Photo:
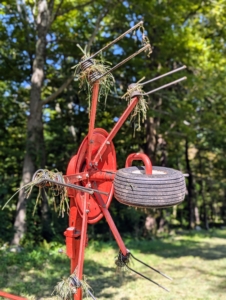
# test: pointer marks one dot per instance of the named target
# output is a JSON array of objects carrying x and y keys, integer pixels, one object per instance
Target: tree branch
[
  {"x": 57, "y": 11},
  {"x": 72, "y": 8},
  {"x": 100, "y": 17},
  {"x": 69, "y": 80},
  {"x": 59, "y": 91}
]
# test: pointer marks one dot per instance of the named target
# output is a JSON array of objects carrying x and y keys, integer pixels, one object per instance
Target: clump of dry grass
[
  {"x": 42, "y": 178},
  {"x": 140, "y": 110},
  {"x": 122, "y": 261},
  {"x": 97, "y": 68},
  {"x": 67, "y": 287}
]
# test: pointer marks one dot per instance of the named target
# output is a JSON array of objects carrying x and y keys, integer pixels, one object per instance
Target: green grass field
[{"x": 195, "y": 261}]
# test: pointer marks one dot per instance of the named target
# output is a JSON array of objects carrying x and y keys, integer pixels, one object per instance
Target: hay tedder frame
[{"x": 92, "y": 178}]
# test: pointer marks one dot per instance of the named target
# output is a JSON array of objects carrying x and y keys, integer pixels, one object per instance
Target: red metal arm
[
  {"x": 111, "y": 224},
  {"x": 115, "y": 129},
  {"x": 11, "y": 296},
  {"x": 92, "y": 119}
]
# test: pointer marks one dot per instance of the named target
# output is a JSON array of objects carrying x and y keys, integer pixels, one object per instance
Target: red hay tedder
[{"x": 92, "y": 179}]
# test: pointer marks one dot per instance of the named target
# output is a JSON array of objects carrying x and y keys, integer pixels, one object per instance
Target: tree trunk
[
  {"x": 202, "y": 193},
  {"x": 190, "y": 188},
  {"x": 35, "y": 150},
  {"x": 197, "y": 215},
  {"x": 151, "y": 143}
]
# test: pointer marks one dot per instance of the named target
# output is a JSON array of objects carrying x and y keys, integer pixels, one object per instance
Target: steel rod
[
  {"x": 91, "y": 295},
  {"x": 161, "y": 286},
  {"x": 150, "y": 267},
  {"x": 114, "y": 41},
  {"x": 164, "y": 86},
  {"x": 161, "y": 76},
  {"x": 73, "y": 186},
  {"x": 125, "y": 60}
]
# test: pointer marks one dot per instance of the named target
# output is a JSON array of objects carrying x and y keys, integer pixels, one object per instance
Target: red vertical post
[
  {"x": 83, "y": 237},
  {"x": 93, "y": 110},
  {"x": 82, "y": 243}
]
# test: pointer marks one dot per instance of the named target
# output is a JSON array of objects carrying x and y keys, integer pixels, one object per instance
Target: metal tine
[
  {"x": 164, "y": 86},
  {"x": 151, "y": 267},
  {"x": 125, "y": 60},
  {"x": 73, "y": 186},
  {"x": 161, "y": 286},
  {"x": 114, "y": 41},
  {"x": 161, "y": 76},
  {"x": 91, "y": 295}
]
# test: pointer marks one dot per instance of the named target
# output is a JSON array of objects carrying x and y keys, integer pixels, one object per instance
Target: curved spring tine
[
  {"x": 114, "y": 41},
  {"x": 164, "y": 86},
  {"x": 150, "y": 267},
  {"x": 161, "y": 76},
  {"x": 125, "y": 60},
  {"x": 161, "y": 286}
]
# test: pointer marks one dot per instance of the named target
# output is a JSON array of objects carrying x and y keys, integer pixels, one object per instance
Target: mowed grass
[{"x": 195, "y": 261}]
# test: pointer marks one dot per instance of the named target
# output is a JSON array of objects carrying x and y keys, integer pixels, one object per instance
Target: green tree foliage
[{"x": 185, "y": 124}]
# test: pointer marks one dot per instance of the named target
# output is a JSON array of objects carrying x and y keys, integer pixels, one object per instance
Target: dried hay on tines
[
  {"x": 41, "y": 180},
  {"x": 140, "y": 109},
  {"x": 122, "y": 261},
  {"x": 99, "y": 67},
  {"x": 67, "y": 288}
]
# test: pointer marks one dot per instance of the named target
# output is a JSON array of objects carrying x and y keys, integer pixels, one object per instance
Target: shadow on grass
[
  {"x": 35, "y": 272},
  {"x": 102, "y": 277},
  {"x": 176, "y": 247},
  {"x": 31, "y": 272},
  {"x": 35, "y": 276}
]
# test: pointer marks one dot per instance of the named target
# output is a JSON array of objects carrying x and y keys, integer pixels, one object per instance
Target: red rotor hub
[{"x": 86, "y": 176}]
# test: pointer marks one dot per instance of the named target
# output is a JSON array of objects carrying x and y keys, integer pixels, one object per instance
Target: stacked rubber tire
[{"x": 164, "y": 188}]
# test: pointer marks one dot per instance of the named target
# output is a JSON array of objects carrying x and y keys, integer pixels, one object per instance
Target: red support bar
[
  {"x": 115, "y": 129},
  {"x": 91, "y": 175},
  {"x": 11, "y": 296},
  {"x": 102, "y": 176},
  {"x": 83, "y": 238},
  {"x": 92, "y": 120},
  {"x": 80, "y": 251}
]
